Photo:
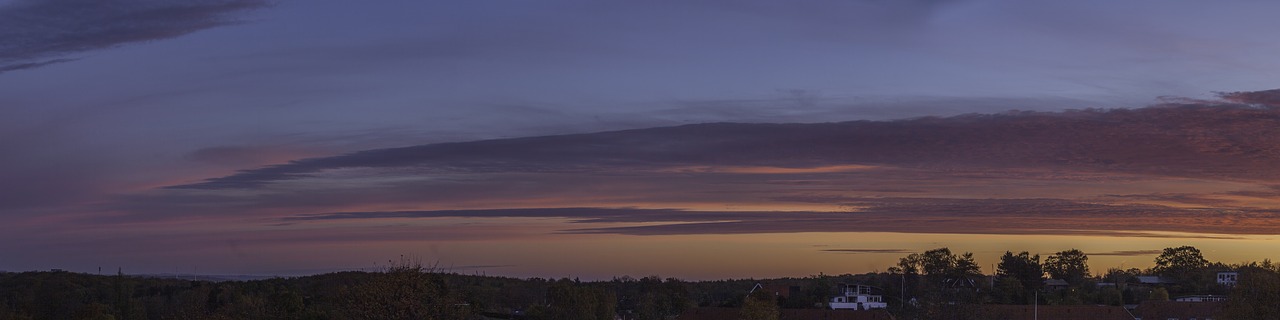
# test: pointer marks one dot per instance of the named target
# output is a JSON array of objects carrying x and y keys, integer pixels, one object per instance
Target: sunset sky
[{"x": 692, "y": 139}]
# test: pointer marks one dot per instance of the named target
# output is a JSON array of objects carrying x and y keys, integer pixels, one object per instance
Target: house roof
[
  {"x": 1180, "y": 310},
  {"x": 704, "y": 313},
  {"x": 779, "y": 288},
  {"x": 1019, "y": 312},
  {"x": 1154, "y": 280}
]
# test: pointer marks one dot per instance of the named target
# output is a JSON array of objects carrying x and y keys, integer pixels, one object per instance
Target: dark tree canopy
[
  {"x": 1021, "y": 274},
  {"x": 1179, "y": 263},
  {"x": 1071, "y": 266},
  {"x": 1024, "y": 267},
  {"x": 939, "y": 264},
  {"x": 567, "y": 300}
]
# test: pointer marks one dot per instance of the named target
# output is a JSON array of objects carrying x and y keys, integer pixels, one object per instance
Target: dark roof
[
  {"x": 788, "y": 314},
  {"x": 1180, "y": 310},
  {"x": 1055, "y": 283},
  {"x": 1155, "y": 280},
  {"x": 1018, "y": 312}
]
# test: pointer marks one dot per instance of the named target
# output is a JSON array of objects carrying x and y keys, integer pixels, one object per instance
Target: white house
[
  {"x": 858, "y": 297},
  {"x": 1228, "y": 278}
]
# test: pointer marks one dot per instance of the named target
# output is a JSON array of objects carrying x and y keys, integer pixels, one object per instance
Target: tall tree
[
  {"x": 1025, "y": 270},
  {"x": 938, "y": 265},
  {"x": 1183, "y": 264},
  {"x": 939, "y": 268},
  {"x": 1071, "y": 266}
]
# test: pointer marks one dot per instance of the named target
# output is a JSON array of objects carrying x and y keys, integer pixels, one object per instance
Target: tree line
[
  {"x": 938, "y": 283},
  {"x": 934, "y": 284}
]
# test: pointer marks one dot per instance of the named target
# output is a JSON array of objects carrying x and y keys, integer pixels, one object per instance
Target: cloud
[
  {"x": 1175, "y": 170},
  {"x": 1196, "y": 141},
  {"x": 1269, "y": 98},
  {"x": 31, "y": 65},
  {"x": 905, "y": 215},
  {"x": 247, "y": 155},
  {"x": 859, "y": 251},
  {"x": 36, "y": 33},
  {"x": 1191, "y": 199},
  {"x": 1127, "y": 253}
]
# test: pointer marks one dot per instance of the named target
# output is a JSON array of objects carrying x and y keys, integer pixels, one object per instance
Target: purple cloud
[
  {"x": 907, "y": 215},
  {"x": 1188, "y": 140},
  {"x": 35, "y": 33}
]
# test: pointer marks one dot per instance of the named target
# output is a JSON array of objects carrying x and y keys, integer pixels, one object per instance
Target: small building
[
  {"x": 1154, "y": 280},
  {"x": 1055, "y": 284},
  {"x": 857, "y": 297},
  {"x": 777, "y": 289},
  {"x": 1228, "y": 278},
  {"x": 965, "y": 283},
  {"x": 1201, "y": 298}
]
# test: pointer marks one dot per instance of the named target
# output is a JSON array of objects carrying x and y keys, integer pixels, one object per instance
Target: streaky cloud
[
  {"x": 860, "y": 251},
  {"x": 903, "y": 215},
  {"x": 31, "y": 65},
  {"x": 37, "y": 33},
  {"x": 1127, "y": 253},
  {"x": 1214, "y": 141}
]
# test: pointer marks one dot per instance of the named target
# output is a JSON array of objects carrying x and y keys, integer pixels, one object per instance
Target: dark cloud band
[
  {"x": 36, "y": 33},
  {"x": 907, "y": 215},
  {"x": 1224, "y": 141}
]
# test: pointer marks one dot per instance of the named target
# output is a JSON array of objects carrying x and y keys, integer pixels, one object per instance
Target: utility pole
[{"x": 1037, "y": 307}]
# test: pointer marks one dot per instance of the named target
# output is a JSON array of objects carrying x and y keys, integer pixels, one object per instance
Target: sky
[{"x": 695, "y": 139}]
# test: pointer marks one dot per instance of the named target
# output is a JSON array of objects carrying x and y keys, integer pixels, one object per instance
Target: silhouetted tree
[
  {"x": 1026, "y": 273},
  {"x": 939, "y": 265},
  {"x": 1185, "y": 265},
  {"x": 942, "y": 271},
  {"x": 1071, "y": 266}
]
